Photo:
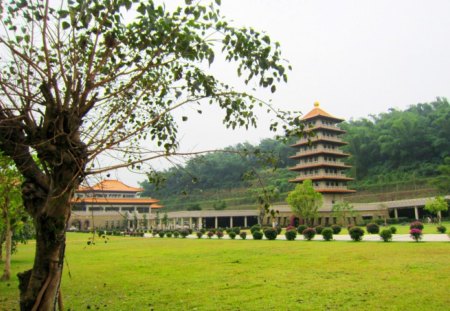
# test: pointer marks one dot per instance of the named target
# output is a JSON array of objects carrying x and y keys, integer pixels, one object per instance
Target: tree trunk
[
  {"x": 8, "y": 241},
  {"x": 39, "y": 287}
]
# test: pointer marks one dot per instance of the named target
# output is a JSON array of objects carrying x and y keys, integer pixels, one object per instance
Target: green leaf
[{"x": 65, "y": 25}]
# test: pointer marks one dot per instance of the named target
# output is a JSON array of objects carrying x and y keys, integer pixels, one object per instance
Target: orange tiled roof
[
  {"x": 316, "y": 112},
  {"x": 110, "y": 185},
  {"x": 118, "y": 201},
  {"x": 156, "y": 206}
]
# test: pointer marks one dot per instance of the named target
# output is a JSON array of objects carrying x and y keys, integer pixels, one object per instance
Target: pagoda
[{"x": 320, "y": 157}]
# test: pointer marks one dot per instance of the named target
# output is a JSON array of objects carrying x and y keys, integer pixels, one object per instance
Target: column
[
  {"x": 174, "y": 222},
  {"x": 190, "y": 222},
  {"x": 231, "y": 221},
  {"x": 216, "y": 222},
  {"x": 416, "y": 212},
  {"x": 245, "y": 221},
  {"x": 395, "y": 213},
  {"x": 200, "y": 223}
]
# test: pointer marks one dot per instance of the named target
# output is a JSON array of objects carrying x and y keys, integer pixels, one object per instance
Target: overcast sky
[{"x": 356, "y": 57}]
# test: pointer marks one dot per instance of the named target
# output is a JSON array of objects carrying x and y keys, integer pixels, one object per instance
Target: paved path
[{"x": 346, "y": 237}]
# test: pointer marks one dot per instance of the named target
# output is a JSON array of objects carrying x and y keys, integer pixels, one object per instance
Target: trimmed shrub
[
  {"x": 373, "y": 228},
  {"x": 219, "y": 234},
  {"x": 327, "y": 234},
  {"x": 161, "y": 233},
  {"x": 169, "y": 234},
  {"x": 319, "y": 229},
  {"x": 441, "y": 229},
  {"x": 336, "y": 229},
  {"x": 232, "y": 235},
  {"x": 203, "y": 230},
  {"x": 176, "y": 234},
  {"x": 270, "y": 233},
  {"x": 199, "y": 234},
  {"x": 257, "y": 235},
  {"x": 154, "y": 232},
  {"x": 290, "y": 234},
  {"x": 237, "y": 230},
  {"x": 309, "y": 233},
  {"x": 288, "y": 228},
  {"x": 393, "y": 229},
  {"x": 386, "y": 235},
  {"x": 356, "y": 233},
  {"x": 255, "y": 228},
  {"x": 243, "y": 235},
  {"x": 278, "y": 228},
  {"x": 416, "y": 234},
  {"x": 228, "y": 230},
  {"x": 301, "y": 228},
  {"x": 184, "y": 233},
  {"x": 416, "y": 225},
  {"x": 210, "y": 234},
  {"x": 190, "y": 230}
]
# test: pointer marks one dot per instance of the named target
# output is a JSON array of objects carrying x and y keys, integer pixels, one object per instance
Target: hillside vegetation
[{"x": 394, "y": 154}]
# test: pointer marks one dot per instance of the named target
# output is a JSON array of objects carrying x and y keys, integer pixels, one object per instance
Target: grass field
[{"x": 190, "y": 274}]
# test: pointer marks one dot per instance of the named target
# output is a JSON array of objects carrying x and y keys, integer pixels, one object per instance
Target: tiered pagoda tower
[{"x": 320, "y": 157}]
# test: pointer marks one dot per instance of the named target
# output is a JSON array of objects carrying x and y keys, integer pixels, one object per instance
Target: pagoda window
[
  {"x": 111, "y": 209},
  {"x": 127, "y": 209}
]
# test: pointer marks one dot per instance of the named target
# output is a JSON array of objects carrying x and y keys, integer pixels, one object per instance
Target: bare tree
[{"x": 80, "y": 81}]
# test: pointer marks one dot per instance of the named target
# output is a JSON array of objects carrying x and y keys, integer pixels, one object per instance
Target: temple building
[
  {"x": 111, "y": 204},
  {"x": 320, "y": 158}
]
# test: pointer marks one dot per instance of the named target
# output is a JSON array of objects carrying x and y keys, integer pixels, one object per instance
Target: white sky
[{"x": 356, "y": 57}]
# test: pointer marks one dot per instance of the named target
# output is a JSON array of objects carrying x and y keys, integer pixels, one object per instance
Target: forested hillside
[{"x": 392, "y": 148}]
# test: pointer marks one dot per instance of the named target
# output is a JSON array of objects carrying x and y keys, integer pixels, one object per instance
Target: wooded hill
[{"x": 391, "y": 152}]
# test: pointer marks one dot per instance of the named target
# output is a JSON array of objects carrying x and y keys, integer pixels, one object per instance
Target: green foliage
[
  {"x": 176, "y": 234},
  {"x": 257, "y": 235},
  {"x": 341, "y": 210},
  {"x": 309, "y": 233},
  {"x": 386, "y": 235},
  {"x": 441, "y": 229},
  {"x": 385, "y": 146},
  {"x": 393, "y": 229},
  {"x": 232, "y": 235},
  {"x": 169, "y": 234},
  {"x": 436, "y": 205},
  {"x": 319, "y": 229},
  {"x": 269, "y": 233},
  {"x": 290, "y": 234},
  {"x": 336, "y": 229},
  {"x": 255, "y": 228},
  {"x": 220, "y": 205},
  {"x": 327, "y": 234},
  {"x": 373, "y": 228},
  {"x": 184, "y": 233},
  {"x": 199, "y": 234},
  {"x": 442, "y": 181},
  {"x": 243, "y": 235},
  {"x": 356, "y": 233},
  {"x": 161, "y": 233},
  {"x": 301, "y": 228},
  {"x": 305, "y": 201},
  {"x": 194, "y": 207},
  {"x": 236, "y": 230}
]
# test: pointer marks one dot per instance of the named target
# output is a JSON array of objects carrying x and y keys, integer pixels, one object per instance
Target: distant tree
[
  {"x": 265, "y": 197},
  {"x": 194, "y": 207},
  {"x": 305, "y": 201},
  {"x": 342, "y": 210},
  {"x": 437, "y": 205},
  {"x": 12, "y": 212},
  {"x": 165, "y": 220},
  {"x": 442, "y": 182},
  {"x": 220, "y": 205}
]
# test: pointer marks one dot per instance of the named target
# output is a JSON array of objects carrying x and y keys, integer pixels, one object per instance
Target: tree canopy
[{"x": 305, "y": 201}]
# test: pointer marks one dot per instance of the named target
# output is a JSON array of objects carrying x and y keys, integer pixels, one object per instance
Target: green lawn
[{"x": 190, "y": 274}]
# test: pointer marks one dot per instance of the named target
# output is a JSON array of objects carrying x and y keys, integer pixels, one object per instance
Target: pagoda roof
[
  {"x": 336, "y": 190},
  {"x": 319, "y": 164},
  {"x": 110, "y": 185},
  {"x": 96, "y": 200},
  {"x": 310, "y": 153},
  {"x": 318, "y": 112},
  {"x": 319, "y": 139},
  {"x": 321, "y": 177}
]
